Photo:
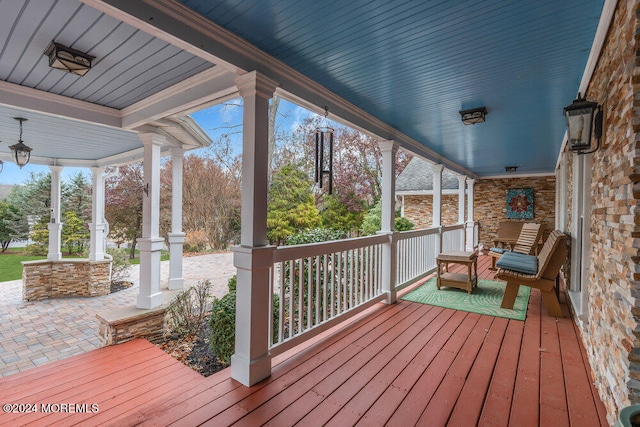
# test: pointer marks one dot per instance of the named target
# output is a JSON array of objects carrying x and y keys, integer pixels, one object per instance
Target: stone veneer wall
[
  {"x": 490, "y": 203},
  {"x": 610, "y": 325},
  {"x": 119, "y": 327},
  {"x": 419, "y": 210},
  {"x": 65, "y": 278}
]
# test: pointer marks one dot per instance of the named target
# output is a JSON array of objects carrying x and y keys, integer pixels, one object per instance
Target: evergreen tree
[
  {"x": 13, "y": 224},
  {"x": 373, "y": 221},
  {"x": 291, "y": 207},
  {"x": 338, "y": 216},
  {"x": 74, "y": 232},
  {"x": 77, "y": 197}
]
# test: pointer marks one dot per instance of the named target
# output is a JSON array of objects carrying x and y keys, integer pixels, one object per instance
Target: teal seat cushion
[
  {"x": 515, "y": 261},
  {"x": 498, "y": 250}
]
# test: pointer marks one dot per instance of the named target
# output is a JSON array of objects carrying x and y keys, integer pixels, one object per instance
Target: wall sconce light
[
  {"x": 324, "y": 153},
  {"x": 67, "y": 59},
  {"x": 473, "y": 116},
  {"x": 510, "y": 169},
  {"x": 20, "y": 153},
  {"x": 581, "y": 123}
]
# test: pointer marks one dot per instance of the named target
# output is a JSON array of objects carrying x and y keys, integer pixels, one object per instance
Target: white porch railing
[
  {"x": 318, "y": 285},
  {"x": 313, "y": 287},
  {"x": 453, "y": 238},
  {"x": 416, "y": 255}
]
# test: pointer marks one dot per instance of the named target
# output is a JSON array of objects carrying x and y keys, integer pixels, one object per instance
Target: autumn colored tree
[
  {"x": 291, "y": 205},
  {"x": 357, "y": 172},
  {"x": 123, "y": 204},
  {"x": 211, "y": 199}
]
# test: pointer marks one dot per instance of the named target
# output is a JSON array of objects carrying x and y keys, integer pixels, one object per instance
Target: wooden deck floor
[{"x": 403, "y": 364}]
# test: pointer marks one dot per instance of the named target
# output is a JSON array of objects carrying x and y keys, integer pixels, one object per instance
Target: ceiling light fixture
[
  {"x": 20, "y": 153},
  {"x": 473, "y": 116},
  {"x": 67, "y": 59}
]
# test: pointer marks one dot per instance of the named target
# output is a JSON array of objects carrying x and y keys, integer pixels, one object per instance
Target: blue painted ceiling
[{"x": 414, "y": 64}]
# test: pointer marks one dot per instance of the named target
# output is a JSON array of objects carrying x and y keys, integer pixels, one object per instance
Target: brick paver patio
[{"x": 35, "y": 333}]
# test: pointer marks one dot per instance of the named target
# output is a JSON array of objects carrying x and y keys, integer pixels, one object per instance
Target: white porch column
[
  {"x": 150, "y": 243},
  {"x": 470, "y": 238},
  {"x": 97, "y": 226},
  {"x": 176, "y": 237},
  {"x": 251, "y": 361},
  {"x": 55, "y": 224},
  {"x": 437, "y": 204},
  {"x": 461, "y": 192},
  {"x": 389, "y": 151}
]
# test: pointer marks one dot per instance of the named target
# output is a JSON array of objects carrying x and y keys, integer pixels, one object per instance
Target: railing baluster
[
  {"x": 282, "y": 303},
  {"x": 317, "y": 293},
  {"x": 309, "y": 292}
]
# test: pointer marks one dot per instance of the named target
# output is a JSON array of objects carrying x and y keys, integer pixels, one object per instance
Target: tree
[
  {"x": 338, "y": 216},
  {"x": 357, "y": 164},
  {"x": 77, "y": 197},
  {"x": 211, "y": 199},
  {"x": 74, "y": 232},
  {"x": 373, "y": 221},
  {"x": 123, "y": 204},
  {"x": 291, "y": 206},
  {"x": 33, "y": 198},
  {"x": 13, "y": 225}
]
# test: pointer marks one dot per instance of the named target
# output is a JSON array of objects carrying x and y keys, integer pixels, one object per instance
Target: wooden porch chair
[
  {"x": 527, "y": 242},
  {"x": 551, "y": 258}
]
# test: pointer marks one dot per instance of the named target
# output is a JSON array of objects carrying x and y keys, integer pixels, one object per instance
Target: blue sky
[{"x": 215, "y": 121}]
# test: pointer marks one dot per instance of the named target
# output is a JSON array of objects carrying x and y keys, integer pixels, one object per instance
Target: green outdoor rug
[{"x": 485, "y": 299}]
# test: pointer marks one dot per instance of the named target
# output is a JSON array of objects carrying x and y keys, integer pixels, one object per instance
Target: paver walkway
[{"x": 35, "y": 333}]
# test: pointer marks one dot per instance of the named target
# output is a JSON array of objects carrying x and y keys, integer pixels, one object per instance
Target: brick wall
[
  {"x": 56, "y": 279},
  {"x": 490, "y": 203},
  {"x": 610, "y": 324},
  {"x": 419, "y": 210}
]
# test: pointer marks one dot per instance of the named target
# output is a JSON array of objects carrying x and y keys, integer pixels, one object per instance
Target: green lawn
[{"x": 11, "y": 267}]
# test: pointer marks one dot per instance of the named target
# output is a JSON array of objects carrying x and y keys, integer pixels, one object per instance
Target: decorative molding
[
  {"x": 16, "y": 96},
  {"x": 178, "y": 100}
]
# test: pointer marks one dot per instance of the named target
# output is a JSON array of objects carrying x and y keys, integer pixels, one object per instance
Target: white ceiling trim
[
  {"x": 179, "y": 25},
  {"x": 26, "y": 98},
  {"x": 206, "y": 88}
]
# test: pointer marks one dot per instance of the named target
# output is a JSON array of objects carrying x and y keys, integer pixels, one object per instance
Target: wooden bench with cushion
[
  {"x": 527, "y": 242},
  {"x": 508, "y": 232},
  {"x": 551, "y": 258}
]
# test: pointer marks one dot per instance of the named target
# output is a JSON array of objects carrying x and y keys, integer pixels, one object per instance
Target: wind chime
[{"x": 324, "y": 153}]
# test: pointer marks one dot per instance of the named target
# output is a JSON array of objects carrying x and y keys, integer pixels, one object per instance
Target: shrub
[
  {"x": 223, "y": 323},
  {"x": 195, "y": 241},
  {"x": 120, "y": 264},
  {"x": 36, "y": 249},
  {"x": 403, "y": 224},
  {"x": 188, "y": 310},
  {"x": 315, "y": 235},
  {"x": 223, "y": 326}
]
